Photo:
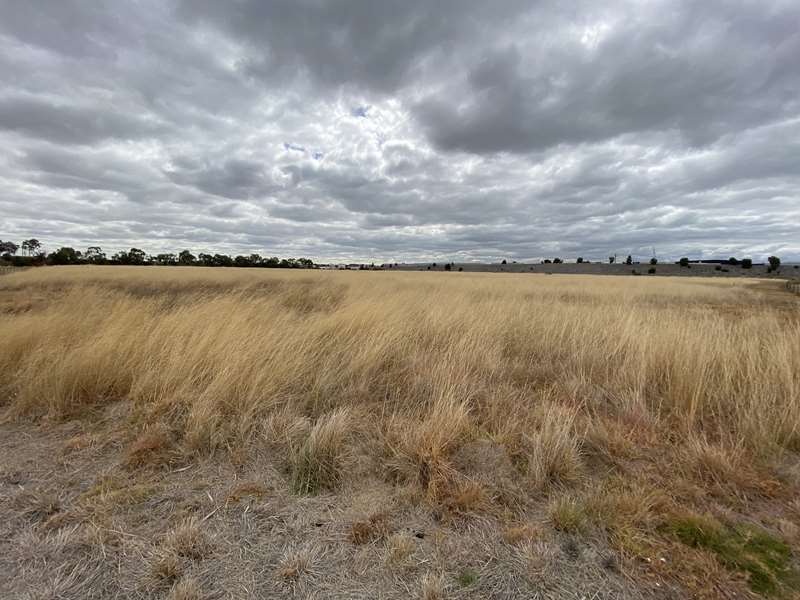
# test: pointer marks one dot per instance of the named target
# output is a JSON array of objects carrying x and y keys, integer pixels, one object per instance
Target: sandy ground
[{"x": 79, "y": 523}]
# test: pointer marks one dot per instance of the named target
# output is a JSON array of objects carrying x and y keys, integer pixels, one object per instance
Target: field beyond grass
[{"x": 235, "y": 433}]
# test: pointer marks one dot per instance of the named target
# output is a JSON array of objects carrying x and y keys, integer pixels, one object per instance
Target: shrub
[
  {"x": 651, "y": 270},
  {"x": 684, "y": 262},
  {"x": 557, "y": 261},
  {"x": 733, "y": 261},
  {"x": 747, "y": 263},
  {"x": 447, "y": 267},
  {"x": 629, "y": 260},
  {"x": 718, "y": 268},
  {"x": 654, "y": 261}
]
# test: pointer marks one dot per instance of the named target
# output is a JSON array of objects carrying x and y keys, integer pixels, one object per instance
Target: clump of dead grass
[
  {"x": 554, "y": 449},
  {"x": 420, "y": 449},
  {"x": 187, "y": 588},
  {"x": 318, "y": 462},
  {"x": 399, "y": 547},
  {"x": 189, "y": 540},
  {"x": 433, "y": 586},
  {"x": 297, "y": 561}
]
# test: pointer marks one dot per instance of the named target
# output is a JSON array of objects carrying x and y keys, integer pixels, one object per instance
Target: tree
[
  {"x": 186, "y": 258},
  {"x": 167, "y": 259},
  {"x": 504, "y": 262},
  {"x": 31, "y": 247},
  {"x": 733, "y": 261},
  {"x": 774, "y": 262},
  {"x": 629, "y": 260},
  {"x": 447, "y": 266},
  {"x": 8, "y": 248},
  {"x": 611, "y": 259},
  {"x": 134, "y": 256},
  {"x": 580, "y": 260},
  {"x": 222, "y": 260},
  {"x": 747, "y": 263},
  {"x": 95, "y": 255},
  {"x": 64, "y": 256},
  {"x": 557, "y": 261},
  {"x": 684, "y": 262},
  {"x": 654, "y": 261}
]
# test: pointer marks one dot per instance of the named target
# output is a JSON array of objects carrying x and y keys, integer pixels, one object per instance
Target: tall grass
[{"x": 423, "y": 361}]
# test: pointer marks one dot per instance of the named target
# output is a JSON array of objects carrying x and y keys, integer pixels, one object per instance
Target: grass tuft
[
  {"x": 189, "y": 540},
  {"x": 568, "y": 514},
  {"x": 317, "y": 463}
]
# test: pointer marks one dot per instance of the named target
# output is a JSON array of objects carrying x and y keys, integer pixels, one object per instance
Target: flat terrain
[
  {"x": 193, "y": 433},
  {"x": 669, "y": 269}
]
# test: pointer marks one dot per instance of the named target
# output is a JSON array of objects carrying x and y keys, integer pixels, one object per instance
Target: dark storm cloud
[
  {"x": 378, "y": 45},
  {"x": 703, "y": 72},
  {"x": 354, "y": 129}
]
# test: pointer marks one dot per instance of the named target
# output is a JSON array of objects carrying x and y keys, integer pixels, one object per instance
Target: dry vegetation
[{"x": 193, "y": 433}]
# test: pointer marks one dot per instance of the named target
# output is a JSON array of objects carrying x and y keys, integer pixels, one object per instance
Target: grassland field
[{"x": 193, "y": 433}]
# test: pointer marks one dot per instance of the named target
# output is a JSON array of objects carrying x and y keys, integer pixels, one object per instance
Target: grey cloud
[
  {"x": 360, "y": 130},
  {"x": 702, "y": 70},
  {"x": 379, "y": 45},
  {"x": 230, "y": 178},
  {"x": 67, "y": 124}
]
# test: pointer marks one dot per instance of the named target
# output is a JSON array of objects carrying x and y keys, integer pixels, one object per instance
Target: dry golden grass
[
  {"x": 217, "y": 353},
  {"x": 590, "y": 406}
]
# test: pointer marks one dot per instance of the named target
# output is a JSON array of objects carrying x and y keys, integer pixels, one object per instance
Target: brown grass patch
[
  {"x": 522, "y": 533},
  {"x": 247, "y": 489},
  {"x": 153, "y": 448},
  {"x": 374, "y": 528}
]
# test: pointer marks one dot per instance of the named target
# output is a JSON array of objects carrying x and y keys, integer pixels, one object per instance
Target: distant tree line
[{"x": 31, "y": 254}]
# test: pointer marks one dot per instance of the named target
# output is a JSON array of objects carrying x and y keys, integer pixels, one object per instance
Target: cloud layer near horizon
[{"x": 361, "y": 130}]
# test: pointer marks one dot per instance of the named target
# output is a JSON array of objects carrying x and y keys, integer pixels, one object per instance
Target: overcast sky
[{"x": 403, "y": 130}]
